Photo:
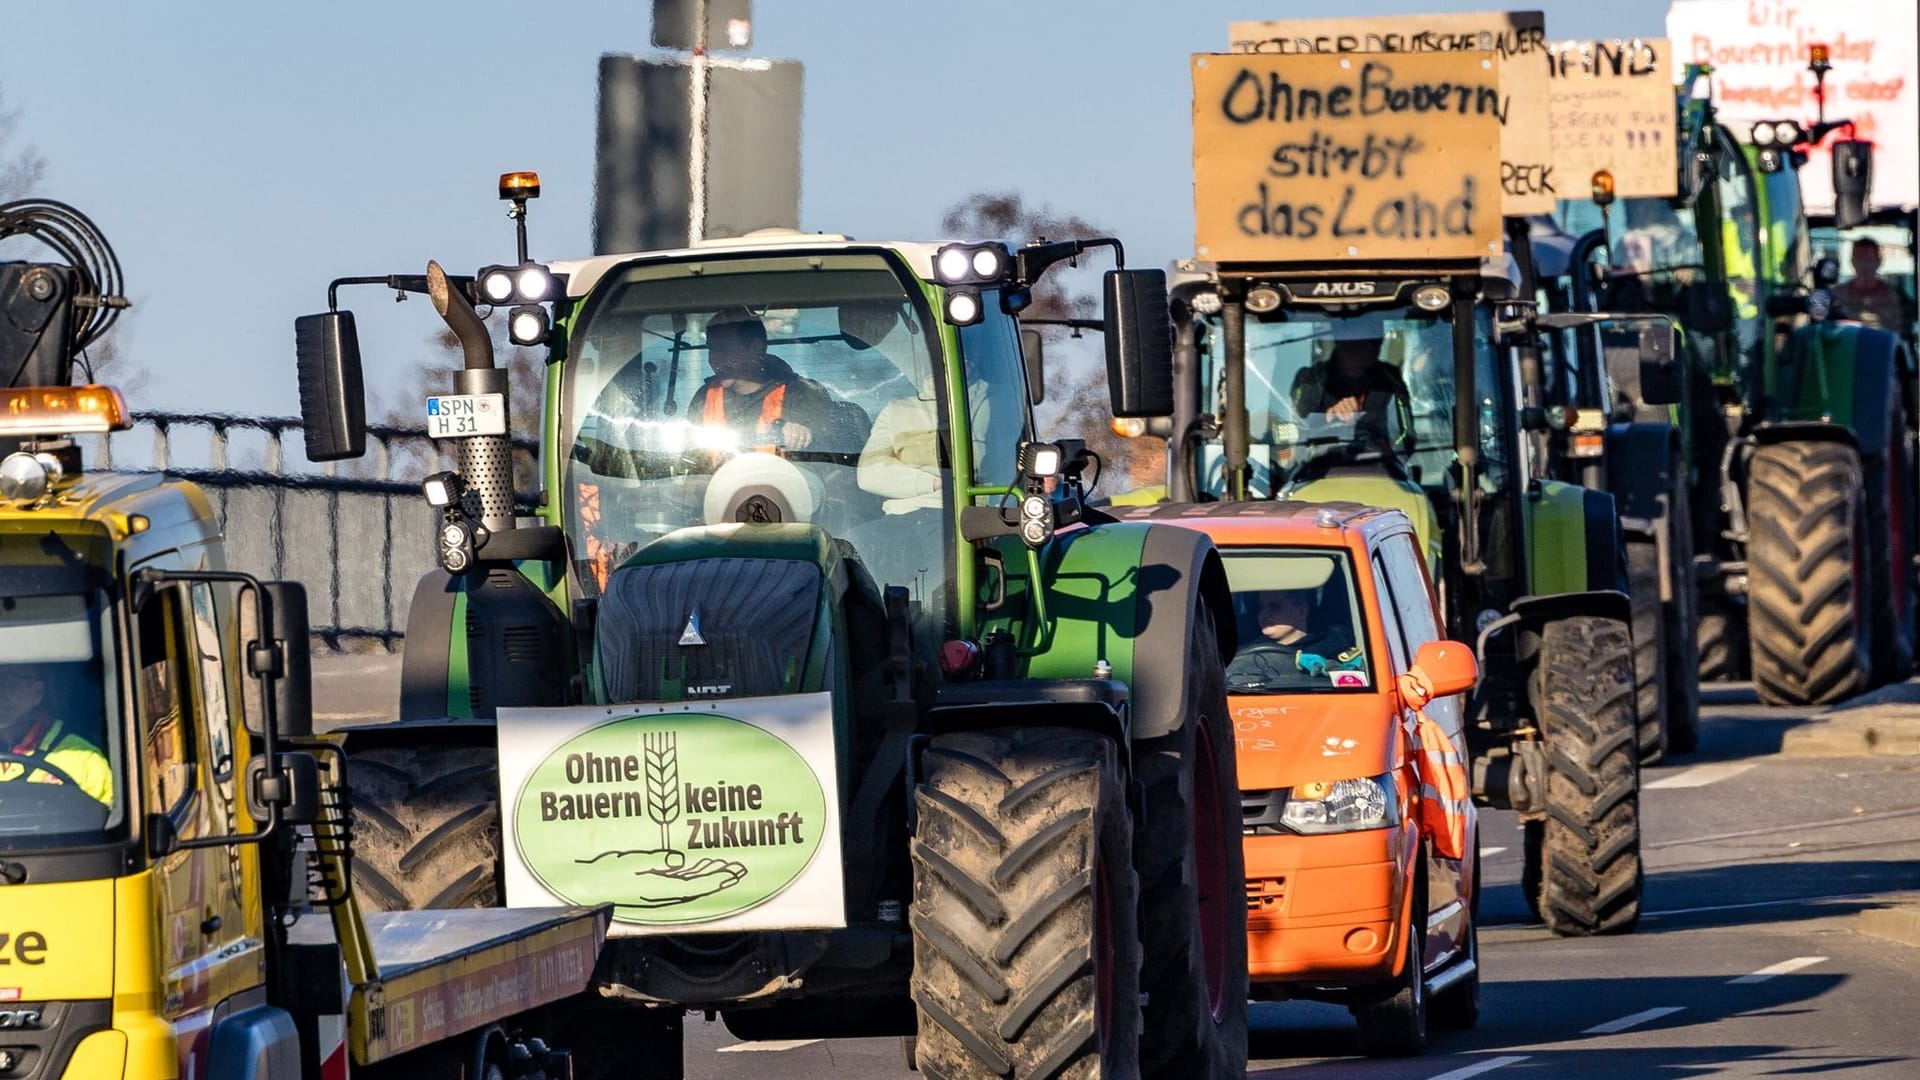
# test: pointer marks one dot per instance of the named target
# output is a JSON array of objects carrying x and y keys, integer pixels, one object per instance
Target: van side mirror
[
  {"x": 293, "y": 684},
  {"x": 1446, "y": 667},
  {"x": 1852, "y": 182},
  {"x": 1034, "y": 350},
  {"x": 1139, "y": 335},
  {"x": 333, "y": 400},
  {"x": 1709, "y": 307}
]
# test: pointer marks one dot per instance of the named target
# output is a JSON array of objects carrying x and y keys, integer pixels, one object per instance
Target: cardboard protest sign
[
  {"x": 1613, "y": 109},
  {"x": 706, "y": 815},
  {"x": 1758, "y": 49},
  {"x": 1528, "y": 183},
  {"x": 1372, "y": 156}
]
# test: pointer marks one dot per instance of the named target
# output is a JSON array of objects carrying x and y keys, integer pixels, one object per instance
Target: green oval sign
[{"x": 674, "y": 818}]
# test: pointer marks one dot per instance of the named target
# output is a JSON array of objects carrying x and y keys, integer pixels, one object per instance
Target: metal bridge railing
[{"x": 357, "y": 534}]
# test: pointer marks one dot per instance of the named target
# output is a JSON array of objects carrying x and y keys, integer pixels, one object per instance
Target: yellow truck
[{"x": 176, "y": 887}]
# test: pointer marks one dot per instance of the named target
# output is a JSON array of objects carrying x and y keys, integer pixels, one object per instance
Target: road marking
[
  {"x": 770, "y": 1044},
  {"x": 1784, "y": 967},
  {"x": 1479, "y": 1067},
  {"x": 1491, "y": 850},
  {"x": 1700, "y": 775},
  {"x": 1625, "y": 1022}
]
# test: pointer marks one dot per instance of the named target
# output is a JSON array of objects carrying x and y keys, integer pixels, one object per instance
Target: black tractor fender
[
  {"x": 1178, "y": 567},
  {"x": 1606, "y": 550},
  {"x": 1531, "y": 613}
]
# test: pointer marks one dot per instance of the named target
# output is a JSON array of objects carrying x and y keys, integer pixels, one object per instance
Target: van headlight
[{"x": 1336, "y": 806}]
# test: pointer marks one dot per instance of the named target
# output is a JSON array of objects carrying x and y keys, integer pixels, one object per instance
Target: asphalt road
[{"x": 1749, "y": 960}]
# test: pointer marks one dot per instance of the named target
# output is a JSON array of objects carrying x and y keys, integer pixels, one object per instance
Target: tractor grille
[{"x": 755, "y": 616}]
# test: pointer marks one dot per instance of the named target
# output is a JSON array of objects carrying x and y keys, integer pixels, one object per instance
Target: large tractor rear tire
[
  {"x": 1193, "y": 917},
  {"x": 426, "y": 827},
  {"x": 1584, "y": 856},
  {"x": 1681, "y": 618},
  {"x": 1890, "y": 537},
  {"x": 1808, "y": 615},
  {"x": 1650, "y": 671},
  {"x": 1026, "y": 954}
]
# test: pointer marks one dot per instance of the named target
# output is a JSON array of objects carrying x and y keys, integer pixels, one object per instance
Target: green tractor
[
  {"x": 796, "y": 475},
  {"x": 1797, "y": 433},
  {"x": 1527, "y": 566}
]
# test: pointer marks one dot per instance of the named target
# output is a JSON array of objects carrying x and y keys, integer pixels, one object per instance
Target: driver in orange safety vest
[{"x": 760, "y": 397}]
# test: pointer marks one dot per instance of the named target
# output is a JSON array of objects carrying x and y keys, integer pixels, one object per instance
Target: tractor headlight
[
  {"x": 952, "y": 264},
  {"x": 496, "y": 285},
  {"x": 1337, "y": 806},
  {"x": 443, "y": 489},
  {"x": 533, "y": 284},
  {"x": 963, "y": 307},
  {"x": 971, "y": 264},
  {"x": 527, "y": 325},
  {"x": 989, "y": 263}
]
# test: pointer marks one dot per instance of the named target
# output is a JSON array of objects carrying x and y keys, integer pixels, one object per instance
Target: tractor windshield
[
  {"x": 763, "y": 389},
  {"x": 60, "y": 753},
  {"x": 1300, "y": 626},
  {"x": 1326, "y": 389},
  {"x": 1653, "y": 251}
]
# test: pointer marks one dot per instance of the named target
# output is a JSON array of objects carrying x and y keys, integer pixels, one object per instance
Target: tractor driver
[
  {"x": 1355, "y": 387},
  {"x": 29, "y": 729},
  {"x": 1867, "y": 296},
  {"x": 763, "y": 400}
]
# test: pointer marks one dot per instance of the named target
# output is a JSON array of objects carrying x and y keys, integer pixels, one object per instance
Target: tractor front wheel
[
  {"x": 1808, "y": 614},
  {"x": 1193, "y": 917},
  {"x": 1026, "y": 956},
  {"x": 426, "y": 827},
  {"x": 1584, "y": 855}
]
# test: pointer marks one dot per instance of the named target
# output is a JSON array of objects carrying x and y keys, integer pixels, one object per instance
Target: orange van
[{"x": 1334, "y": 605}]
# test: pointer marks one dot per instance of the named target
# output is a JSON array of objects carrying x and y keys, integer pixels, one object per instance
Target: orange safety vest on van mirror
[{"x": 1444, "y": 795}]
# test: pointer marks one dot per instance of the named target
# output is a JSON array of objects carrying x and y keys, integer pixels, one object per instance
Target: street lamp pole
[{"x": 697, "y": 159}]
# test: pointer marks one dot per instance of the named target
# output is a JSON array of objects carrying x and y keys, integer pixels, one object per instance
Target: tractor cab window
[
  {"x": 996, "y": 393},
  {"x": 1301, "y": 630},
  {"x": 1787, "y": 241},
  {"x": 1324, "y": 391},
  {"x": 60, "y": 751},
  {"x": 1652, "y": 252},
  {"x": 1740, "y": 247},
  {"x": 758, "y": 390}
]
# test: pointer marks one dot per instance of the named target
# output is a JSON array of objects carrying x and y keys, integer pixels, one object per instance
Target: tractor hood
[{"x": 1288, "y": 740}]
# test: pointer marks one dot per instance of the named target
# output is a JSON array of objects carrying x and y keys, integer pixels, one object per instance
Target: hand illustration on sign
[{"x": 660, "y": 878}]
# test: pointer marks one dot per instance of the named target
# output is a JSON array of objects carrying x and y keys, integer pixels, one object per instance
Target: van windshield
[{"x": 1300, "y": 626}]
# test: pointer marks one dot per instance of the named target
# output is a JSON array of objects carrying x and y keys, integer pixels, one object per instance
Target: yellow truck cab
[{"x": 164, "y": 823}]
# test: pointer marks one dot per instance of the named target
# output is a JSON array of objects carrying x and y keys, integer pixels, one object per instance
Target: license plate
[{"x": 456, "y": 416}]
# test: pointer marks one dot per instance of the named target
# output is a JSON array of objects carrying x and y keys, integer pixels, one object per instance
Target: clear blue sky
[{"x": 239, "y": 155}]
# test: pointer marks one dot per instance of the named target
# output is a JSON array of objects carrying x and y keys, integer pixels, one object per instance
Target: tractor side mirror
[
  {"x": 1139, "y": 335},
  {"x": 1660, "y": 375},
  {"x": 1709, "y": 307},
  {"x": 1034, "y": 350},
  {"x": 293, "y": 683},
  {"x": 333, "y": 400},
  {"x": 1447, "y": 667},
  {"x": 294, "y": 787},
  {"x": 1852, "y": 182}
]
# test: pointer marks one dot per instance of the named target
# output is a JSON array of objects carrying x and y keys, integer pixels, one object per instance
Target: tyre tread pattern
[
  {"x": 1013, "y": 826},
  {"x": 1589, "y": 876},
  {"x": 1809, "y": 640},
  {"x": 426, "y": 828}
]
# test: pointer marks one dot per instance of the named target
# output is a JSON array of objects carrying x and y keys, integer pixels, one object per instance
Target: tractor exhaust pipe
[{"x": 486, "y": 461}]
